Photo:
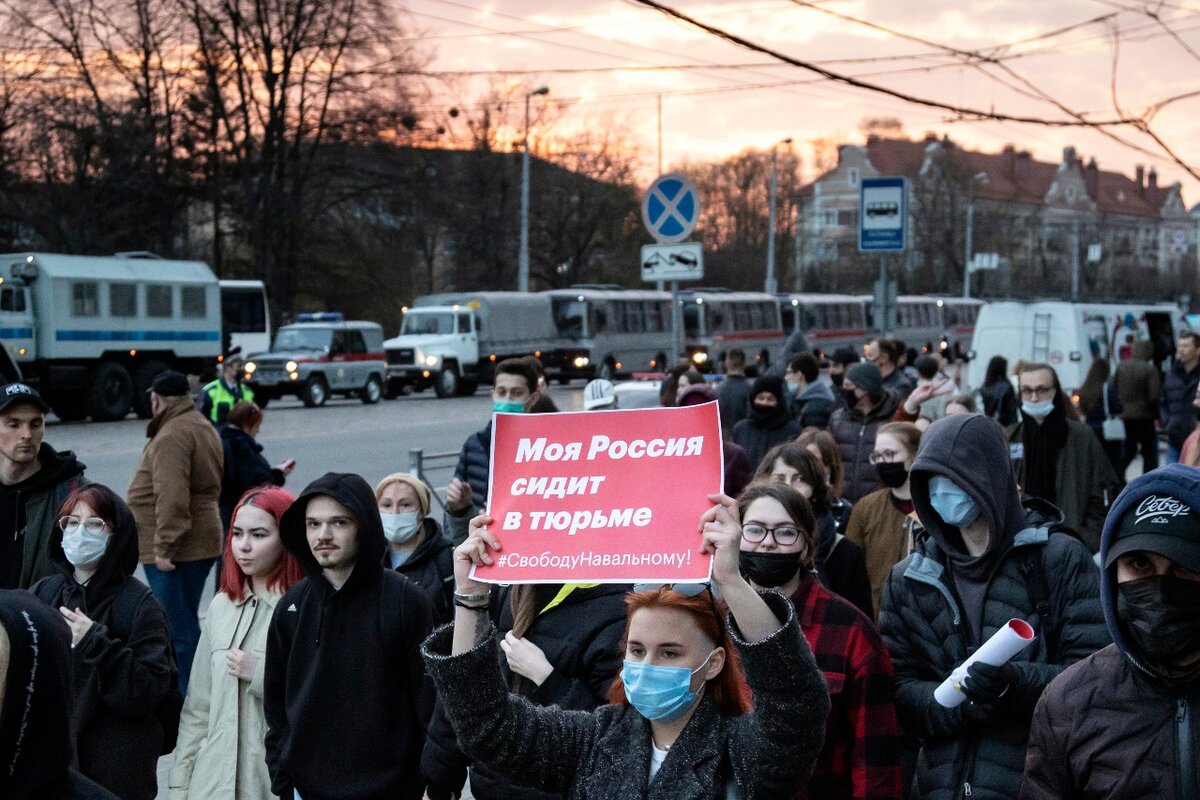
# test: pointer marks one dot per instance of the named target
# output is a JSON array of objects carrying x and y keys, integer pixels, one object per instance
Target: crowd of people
[{"x": 878, "y": 524}]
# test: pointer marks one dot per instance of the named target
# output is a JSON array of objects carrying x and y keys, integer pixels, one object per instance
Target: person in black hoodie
[
  {"x": 983, "y": 559},
  {"x": 36, "y": 746},
  {"x": 34, "y": 480},
  {"x": 124, "y": 668},
  {"x": 770, "y": 421},
  {"x": 1121, "y": 723},
  {"x": 345, "y": 692},
  {"x": 417, "y": 548}
]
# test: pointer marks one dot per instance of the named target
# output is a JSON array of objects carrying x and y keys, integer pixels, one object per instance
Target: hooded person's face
[
  {"x": 332, "y": 533},
  {"x": 1157, "y": 606}
]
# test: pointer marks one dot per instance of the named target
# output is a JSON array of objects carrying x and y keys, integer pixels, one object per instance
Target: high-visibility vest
[{"x": 223, "y": 399}]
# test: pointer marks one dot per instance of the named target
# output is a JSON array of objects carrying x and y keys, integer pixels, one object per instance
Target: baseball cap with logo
[
  {"x": 1159, "y": 523},
  {"x": 598, "y": 394},
  {"x": 15, "y": 393}
]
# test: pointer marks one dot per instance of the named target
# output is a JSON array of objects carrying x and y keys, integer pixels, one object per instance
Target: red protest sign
[{"x": 602, "y": 496}]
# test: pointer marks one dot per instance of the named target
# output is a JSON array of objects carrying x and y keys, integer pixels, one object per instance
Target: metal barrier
[{"x": 418, "y": 463}]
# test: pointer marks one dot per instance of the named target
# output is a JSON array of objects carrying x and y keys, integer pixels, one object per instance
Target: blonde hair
[{"x": 419, "y": 486}]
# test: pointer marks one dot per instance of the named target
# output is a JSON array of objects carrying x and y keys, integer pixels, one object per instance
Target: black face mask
[
  {"x": 851, "y": 397},
  {"x": 771, "y": 569},
  {"x": 836, "y": 379},
  {"x": 892, "y": 474},
  {"x": 1160, "y": 613}
]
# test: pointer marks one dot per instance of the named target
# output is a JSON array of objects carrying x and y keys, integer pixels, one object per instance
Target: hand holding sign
[
  {"x": 474, "y": 552},
  {"x": 722, "y": 529}
]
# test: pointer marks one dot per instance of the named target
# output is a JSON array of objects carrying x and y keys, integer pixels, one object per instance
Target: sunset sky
[{"x": 712, "y": 109}]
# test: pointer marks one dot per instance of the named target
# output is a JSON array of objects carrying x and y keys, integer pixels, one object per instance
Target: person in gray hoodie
[
  {"x": 1135, "y": 702},
  {"x": 811, "y": 399},
  {"x": 983, "y": 559}
]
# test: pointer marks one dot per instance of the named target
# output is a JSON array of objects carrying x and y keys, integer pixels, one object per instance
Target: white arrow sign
[{"x": 673, "y": 262}]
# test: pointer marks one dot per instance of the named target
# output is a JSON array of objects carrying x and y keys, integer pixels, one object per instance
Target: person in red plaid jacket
[{"x": 861, "y": 755}]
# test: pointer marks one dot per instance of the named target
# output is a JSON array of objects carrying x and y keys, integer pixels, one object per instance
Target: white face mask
[
  {"x": 399, "y": 528},
  {"x": 84, "y": 549}
]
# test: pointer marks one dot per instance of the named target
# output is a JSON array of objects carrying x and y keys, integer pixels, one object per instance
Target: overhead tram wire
[{"x": 1078, "y": 120}]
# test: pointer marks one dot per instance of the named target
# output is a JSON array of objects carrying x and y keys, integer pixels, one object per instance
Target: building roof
[{"x": 1015, "y": 176}]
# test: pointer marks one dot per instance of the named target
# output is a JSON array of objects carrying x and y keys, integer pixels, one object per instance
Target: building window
[
  {"x": 192, "y": 300},
  {"x": 122, "y": 299},
  {"x": 1072, "y": 193},
  {"x": 85, "y": 299},
  {"x": 853, "y": 176},
  {"x": 831, "y": 218},
  {"x": 158, "y": 301}
]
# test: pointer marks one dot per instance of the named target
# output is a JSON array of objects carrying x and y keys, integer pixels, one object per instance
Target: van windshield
[
  {"x": 419, "y": 323},
  {"x": 302, "y": 339}
]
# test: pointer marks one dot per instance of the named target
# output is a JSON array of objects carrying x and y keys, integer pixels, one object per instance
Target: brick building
[{"x": 1037, "y": 216}]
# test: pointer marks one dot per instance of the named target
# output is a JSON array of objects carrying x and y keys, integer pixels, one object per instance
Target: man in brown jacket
[
  {"x": 1139, "y": 385},
  {"x": 173, "y": 496}
]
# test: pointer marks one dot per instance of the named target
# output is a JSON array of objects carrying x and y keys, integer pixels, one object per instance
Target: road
[{"x": 343, "y": 436}]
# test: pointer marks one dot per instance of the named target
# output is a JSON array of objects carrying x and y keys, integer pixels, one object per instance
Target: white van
[{"x": 1067, "y": 336}]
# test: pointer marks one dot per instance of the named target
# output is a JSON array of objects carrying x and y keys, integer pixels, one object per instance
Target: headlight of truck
[
  {"x": 290, "y": 366},
  {"x": 431, "y": 361},
  {"x": 250, "y": 367},
  {"x": 580, "y": 362}
]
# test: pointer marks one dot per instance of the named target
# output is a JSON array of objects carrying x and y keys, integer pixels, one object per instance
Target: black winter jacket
[
  {"x": 841, "y": 565},
  {"x": 474, "y": 467},
  {"x": 344, "y": 687},
  {"x": 757, "y": 439},
  {"x": 973, "y": 750},
  {"x": 245, "y": 468},
  {"x": 1000, "y": 402},
  {"x": 581, "y": 638},
  {"x": 431, "y": 567},
  {"x": 122, "y": 669},
  {"x": 766, "y": 754},
  {"x": 854, "y": 433},
  {"x": 1179, "y": 418},
  {"x": 36, "y": 745},
  {"x": 1111, "y": 727}
]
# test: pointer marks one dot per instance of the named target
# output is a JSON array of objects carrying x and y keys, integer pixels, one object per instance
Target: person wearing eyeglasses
[
  {"x": 679, "y": 725},
  {"x": 126, "y": 703},
  {"x": 861, "y": 755},
  {"x": 883, "y": 523},
  {"x": 1056, "y": 457},
  {"x": 838, "y": 562},
  {"x": 983, "y": 558}
]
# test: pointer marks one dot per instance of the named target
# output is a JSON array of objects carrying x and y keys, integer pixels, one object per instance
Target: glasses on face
[
  {"x": 1030, "y": 392},
  {"x": 91, "y": 524},
  {"x": 883, "y": 456},
  {"x": 783, "y": 535}
]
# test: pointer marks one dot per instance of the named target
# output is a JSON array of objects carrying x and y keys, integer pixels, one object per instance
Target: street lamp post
[
  {"x": 979, "y": 177},
  {"x": 523, "y": 256},
  {"x": 769, "y": 285}
]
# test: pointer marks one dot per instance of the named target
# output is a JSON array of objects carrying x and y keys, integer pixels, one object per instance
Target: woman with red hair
[
  {"x": 679, "y": 726},
  {"x": 220, "y": 754}
]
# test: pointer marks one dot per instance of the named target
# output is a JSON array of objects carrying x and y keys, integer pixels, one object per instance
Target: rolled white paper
[{"x": 1015, "y": 636}]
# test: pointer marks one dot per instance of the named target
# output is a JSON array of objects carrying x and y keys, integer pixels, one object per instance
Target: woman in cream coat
[{"x": 220, "y": 754}]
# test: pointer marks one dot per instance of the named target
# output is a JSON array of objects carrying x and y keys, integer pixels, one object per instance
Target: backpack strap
[{"x": 1033, "y": 569}]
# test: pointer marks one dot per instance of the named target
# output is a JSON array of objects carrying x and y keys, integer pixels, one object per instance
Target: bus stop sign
[
  {"x": 882, "y": 215},
  {"x": 671, "y": 208}
]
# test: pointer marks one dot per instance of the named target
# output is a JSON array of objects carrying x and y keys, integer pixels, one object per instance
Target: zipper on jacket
[
  {"x": 1187, "y": 753},
  {"x": 968, "y": 769},
  {"x": 862, "y": 434}
]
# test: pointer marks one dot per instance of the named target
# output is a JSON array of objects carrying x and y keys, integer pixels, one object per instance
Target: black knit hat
[{"x": 170, "y": 384}]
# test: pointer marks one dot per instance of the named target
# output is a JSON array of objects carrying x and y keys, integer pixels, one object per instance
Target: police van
[
  {"x": 317, "y": 356},
  {"x": 92, "y": 332},
  {"x": 1068, "y": 336}
]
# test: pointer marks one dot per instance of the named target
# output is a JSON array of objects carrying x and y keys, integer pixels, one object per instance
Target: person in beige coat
[
  {"x": 221, "y": 754},
  {"x": 173, "y": 496}
]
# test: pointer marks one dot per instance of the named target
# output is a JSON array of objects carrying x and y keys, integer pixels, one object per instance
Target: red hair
[
  {"x": 102, "y": 499},
  {"x": 727, "y": 689},
  {"x": 287, "y": 572}
]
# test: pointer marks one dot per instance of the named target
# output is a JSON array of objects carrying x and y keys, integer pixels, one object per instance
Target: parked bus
[
  {"x": 245, "y": 316},
  {"x": 606, "y": 331},
  {"x": 828, "y": 321},
  {"x": 718, "y": 320}
]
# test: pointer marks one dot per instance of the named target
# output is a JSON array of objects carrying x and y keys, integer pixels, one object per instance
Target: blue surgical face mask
[
  {"x": 663, "y": 694},
  {"x": 793, "y": 386},
  {"x": 951, "y": 503},
  {"x": 399, "y": 528},
  {"x": 1039, "y": 410},
  {"x": 84, "y": 549},
  {"x": 505, "y": 407}
]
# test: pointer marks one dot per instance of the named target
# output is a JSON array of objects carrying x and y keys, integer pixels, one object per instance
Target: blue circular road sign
[{"x": 671, "y": 208}]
